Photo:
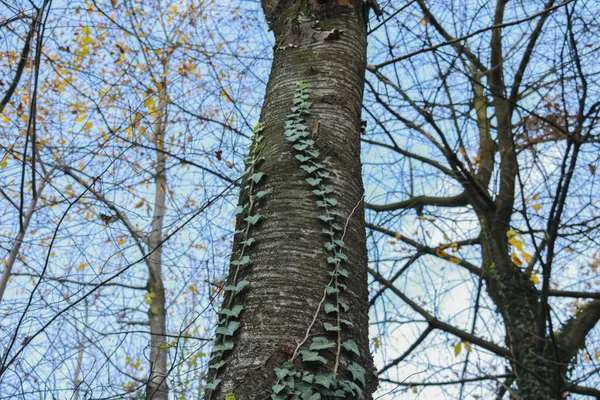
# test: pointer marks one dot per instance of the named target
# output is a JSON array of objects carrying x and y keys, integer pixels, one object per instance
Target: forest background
[{"x": 123, "y": 129}]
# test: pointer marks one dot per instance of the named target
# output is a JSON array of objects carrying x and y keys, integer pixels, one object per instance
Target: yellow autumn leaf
[
  {"x": 537, "y": 207},
  {"x": 81, "y": 119},
  {"x": 150, "y": 103},
  {"x": 398, "y": 236},
  {"x": 454, "y": 260},
  {"x": 5, "y": 120},
  {"x": 194, "y": 289},
  {"x": 510, "y": 233},
  {"x": 141, "y": 203},
  {"x": 154, "y": 310},
  {"x": 82, "y": 266},
  {"x": 516, "y": 260},
  {"x": 534, "y": 278},
  {"x": 87, "y": 30},
  {"x": 376, "y": 342},
  {"x": 88, "y": 126},
  {"x": 468, "y": 347},
  {"x": 4, "y": 163},
  {"x": 457, "y": 348},
  {"x": 121, "y": 240},
  {"x": 526, "y": 256},
  {"x": 516, "y": 243}
]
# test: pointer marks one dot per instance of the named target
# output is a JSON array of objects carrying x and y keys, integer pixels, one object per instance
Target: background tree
[{"x": 492, "y": 113}]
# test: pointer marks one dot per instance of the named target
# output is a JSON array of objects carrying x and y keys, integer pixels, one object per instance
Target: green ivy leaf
[
  {"x": 330, "y": 308},
  {"x": 344, "y": 306},
  {"x": 300, "y": 147},
  {"x": 234, "y": 312},
  {"x": 332, "y": 201},
  {"x": 346, "y": 322},
  {"x": 313, "y": 181},
  {"x": 309, "y": 169},
  {"x": 318, "y": 192},
  {"x": 278, "y": 388},
  {"x": 217, "y": 365},
  {"x": 242, "y": 261},
  {"x": 253, "y": 219},
  {"x": 339, "y": 242},
  {"x": 341, "y": 256},
  {"x": 333, "y": 260},
  {"x": 325, "y": 380},
  {"x": 343, "y": 272},
  {"x": 213, "y": 384},
  {"x": 329, "y": 246},
  {"x": 320, "y": 343},
  {"x": 239, "y": 210},
  {"x": 313, "y": 153},
  {"x": 331, "y": 328},
  {"x": 358, "y": 373},
  {"x": 256, "y": 177},
  {"x": 226, "y": 345},
  {"x": 240, "y": 285},
  {"x": 328, "y": 188},
  {"x": 324, "y": 174},
  {"x": 308, "y": 377},
  {"x": 229, "y": 330},
  {"x": 351, "y": 346},
  {"x": 332, "y": 290},
  {"x": 248, "y": 242},
  {"x": 327, "y": 232},
  {"x": 261, "y": 194},
  {"x": 283, "y": 372},
  {"x": 302, "y": 158},
  {"x": 326, "y": 218},
  {"x": 308, "y": 355}
]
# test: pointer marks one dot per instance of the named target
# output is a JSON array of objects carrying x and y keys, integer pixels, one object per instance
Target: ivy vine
[
  {"x": 323, "y": 353},
  {"x": 229, "y": 314}
]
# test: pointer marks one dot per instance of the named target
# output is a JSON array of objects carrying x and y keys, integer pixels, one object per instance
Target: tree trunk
[
  {"x": 157, "y": 388},
  {"x": 304, "y": 165}
]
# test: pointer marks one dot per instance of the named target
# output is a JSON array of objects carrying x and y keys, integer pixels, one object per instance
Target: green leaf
[
  {"x": 308, "y": 377},
  {"x": 248, "y": 242},
  {"x": 300, "y": 147},
  {"x": 324, "y": 380},
  {"x": 226, "y": 345},
  {"x": 240, "y": 285},
  {"x": 278, "y": 388},
  {"x": 261, "y": 194},
  {"x": 302, "y": 85},
  {"x": 329, "y": 246},
  {"x": 341, "y": 256},
  {"x": 217, "y": 365},
  {"x": 313, "y": 153},
  {"x": 325, "y": 218},
  {"x": 239, "y": 210},
  {"x": 327, "y": 232},
  {"x": 313, "y": 181},
  {"x": 339, "y": 242},
  {"x": 332, "y": 201},
  {"x": 324, "y": 174},
  {"x": 213, "y": 384},
  {"x": 256, "y": 177},
  {"x": 320, "y": 343},
  {"x": 308, "y": 355},
  {"x": 344, "y": 306},
  {"x": 229, "y": 330},
  {"x": 309, "y": 169},
  {"x": 330, "y": 308},
  {"x": 358, "y": 373},
  {"x": 332, "y": 290},
  {"x": 242, "y": 261},
  {"x": 351, "y": 346},
  {"x": 253, "y": 219},
  {"x": 346, "y": 322},
  {"x": 230, "y": 396},
  {"x": 234, "y": 312},
  {"x": 302, "y": 158},
  {"x": 328, "y": 188},
  {"x": 343, "y": 272},
  {"x": 282, "y": 372},
  {"x": 333, "y": 260},
  {"x": 331, "y": 328}
]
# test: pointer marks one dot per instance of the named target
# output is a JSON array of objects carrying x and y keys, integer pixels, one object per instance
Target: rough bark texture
[{"x": 324, "y": 44}]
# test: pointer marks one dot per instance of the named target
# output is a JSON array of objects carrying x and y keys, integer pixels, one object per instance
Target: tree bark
[{"x": 322, "y": 43}]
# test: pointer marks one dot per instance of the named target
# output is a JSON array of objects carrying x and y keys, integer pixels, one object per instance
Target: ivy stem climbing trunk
[
  {"x": 157, "y": 388},
  {"x": 295, "y": 306}
]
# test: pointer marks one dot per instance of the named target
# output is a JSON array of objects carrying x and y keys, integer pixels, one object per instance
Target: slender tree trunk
[
  {"x": 281, "y": 249},
  {"x": 157, "y": 388}
]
